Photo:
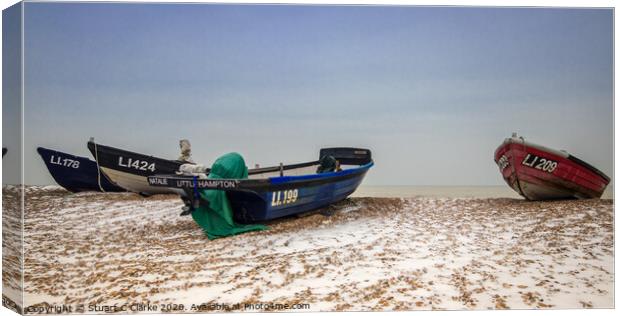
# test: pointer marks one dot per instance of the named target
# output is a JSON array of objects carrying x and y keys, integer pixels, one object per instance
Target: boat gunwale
[
  {"x": 283, "y": 182},
  {"x": 110, "y": 150},
  {"x": 285, "y": 179},
  {"x": 284, "y": 167}
]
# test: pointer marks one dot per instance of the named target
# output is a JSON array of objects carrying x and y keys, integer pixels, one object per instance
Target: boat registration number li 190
[
  {"x": 540, "y": 163},
  {"x": 136, "y": 164}
]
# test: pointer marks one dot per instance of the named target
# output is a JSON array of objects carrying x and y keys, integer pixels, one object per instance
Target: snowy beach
[{"x": 118, "y": 250}]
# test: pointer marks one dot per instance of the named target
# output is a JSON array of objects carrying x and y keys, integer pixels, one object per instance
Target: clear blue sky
[{"x": 432, "y": 91}]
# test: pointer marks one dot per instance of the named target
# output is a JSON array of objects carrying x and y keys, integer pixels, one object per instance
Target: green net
[{"x": 216, "y": 219}]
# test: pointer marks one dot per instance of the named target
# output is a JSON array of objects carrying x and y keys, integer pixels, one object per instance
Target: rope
[{"x": 98, "y": 169}]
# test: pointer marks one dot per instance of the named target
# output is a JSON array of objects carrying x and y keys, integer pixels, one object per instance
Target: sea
[{"x": 407, "y": 191}]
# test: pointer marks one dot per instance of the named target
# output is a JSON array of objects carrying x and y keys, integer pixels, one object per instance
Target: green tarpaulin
[{"x": 217, "y": 218}]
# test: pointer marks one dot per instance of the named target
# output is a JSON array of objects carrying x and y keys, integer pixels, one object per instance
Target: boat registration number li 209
[
  {"x": 531, "y": 161},
  {"x": 540, "y": 163}
]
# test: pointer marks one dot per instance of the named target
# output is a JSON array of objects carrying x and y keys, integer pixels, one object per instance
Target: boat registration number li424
[
  {"x": 65, "y": 162},
  {"x": 284, "y": 197},
  {"x": 540, "y": 163},
  {"x": 136, "y": 164}
]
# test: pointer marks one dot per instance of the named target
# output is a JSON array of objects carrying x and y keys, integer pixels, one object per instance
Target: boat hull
[
  {"x": 540, "y": 173},
  {"x": 259, "y": 199},
  {"x": 75, "y": 173},
  {"x": 129, "y": 170},
  {"x": 290, "y": 198}
]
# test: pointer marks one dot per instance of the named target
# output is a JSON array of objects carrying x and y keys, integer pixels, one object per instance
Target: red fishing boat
[{"x": 540, "y": 173}]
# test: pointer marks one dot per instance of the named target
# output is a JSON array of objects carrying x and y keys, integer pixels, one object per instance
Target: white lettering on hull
[
  {"x": 540, "y": 163},
  {"x": 67, "y": 162},
  {"x": 284, "y": 197},
  {"x": 136, "y": 164}
]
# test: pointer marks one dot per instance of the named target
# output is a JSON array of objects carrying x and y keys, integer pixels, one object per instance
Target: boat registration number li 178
[
  {"x": 136, "y": 164},
  {"x": 284, "y": 197},
  {"x": 65, "y": 162},
  {"x": 540, "y": 163}
]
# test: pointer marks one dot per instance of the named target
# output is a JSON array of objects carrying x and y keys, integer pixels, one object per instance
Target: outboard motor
[{"x": 327, "y": 163}]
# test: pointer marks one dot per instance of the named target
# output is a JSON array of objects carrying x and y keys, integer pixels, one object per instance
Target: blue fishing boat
[
  {"x": 76, "y": 173},
  {"x": 279, "y": 191}
]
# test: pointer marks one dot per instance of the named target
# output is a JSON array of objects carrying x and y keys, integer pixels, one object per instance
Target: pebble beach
[{"x": 99, "y": 253}]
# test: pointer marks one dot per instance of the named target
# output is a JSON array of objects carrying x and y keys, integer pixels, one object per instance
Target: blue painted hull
[
  {"x": 75, "y": 173},
  {"x": 295, "y": 195}
]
